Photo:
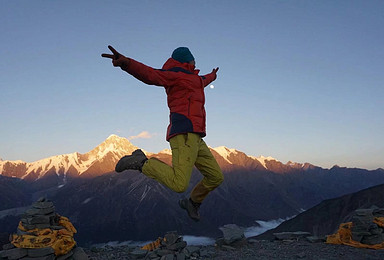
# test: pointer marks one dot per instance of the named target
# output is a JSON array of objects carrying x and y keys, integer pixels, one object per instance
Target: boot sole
[{"x": 183, "y": 206}]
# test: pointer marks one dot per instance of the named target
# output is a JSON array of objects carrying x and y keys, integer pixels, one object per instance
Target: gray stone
[
  {"x": 8, "y": 246},
  {"x": 220, "y": 241},
  {"x": 16, "y": 253},
  {"x": 230, "y": 248},
  {"x": 39, "y": 220},
  {"x": 359, "y": 229},
  {"x": 152, "y": 255},
  {"x": 204, "y": 253},
  {"x": 357, "y": 237},
  {"x": 20, "y": 232},
  {"x": 47, "y": 211},
  {"x": 79, "y": 254},
  {"x": 29, "y": 227},
  {"x": 362, "y": 220},
  {"x": 170, "y": 238},
  {"x": 372, "y": 240},
  {"x": 180, "y": 256},
  {"x": 41, "y": 199},
  {"x": 163, "y": 252},
  {"x": 56, "y": 227},
  {"x": 138, "y": 252},
  {"x": 378, "y": 212},
  {"x": 189, "y": 250},
  {"x": 167, "y": 257},
  {"x": 375, "y": 231},
  {"x": 315, "y": 239},
  {"x": 42, "y": 205},
  {"x": 47, "y": 257},
  {"x": 37, "y": 252},
  {"x": 177, "y": 246},
  {"x": 363, "y": 212},
  {"x": 66, "y": 256},
  {"x": 232, "y": 233},
  {"x": 42, "y": 226},
  {"x": 32, "y": 212}
]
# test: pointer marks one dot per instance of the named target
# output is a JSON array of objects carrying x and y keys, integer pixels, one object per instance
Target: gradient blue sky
[{"x": 298, "y": 80}]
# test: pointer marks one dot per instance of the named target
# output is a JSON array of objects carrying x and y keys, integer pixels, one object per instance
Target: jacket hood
[{"x": 172, "y": 63}]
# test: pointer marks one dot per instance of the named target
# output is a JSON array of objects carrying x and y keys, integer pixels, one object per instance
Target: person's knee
[
  {"x": 219, "y": 179},
  {"x": 180, "y": 188},
  {"x": 215, "y": 180}
]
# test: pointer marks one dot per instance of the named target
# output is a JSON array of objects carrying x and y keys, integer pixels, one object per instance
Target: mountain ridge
[
  {"x": 104, "y": 156},
  {"x": 325, "y": 217},
  {"x": 108, "y": 203}
]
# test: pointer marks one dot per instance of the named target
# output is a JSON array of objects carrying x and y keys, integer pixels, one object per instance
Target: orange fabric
[
  {"x": 60, "y": 240},
  {"x": 153, "y": 245},
  {"x": 379, "y": 221},
  {"x": 344, "y": 236}
]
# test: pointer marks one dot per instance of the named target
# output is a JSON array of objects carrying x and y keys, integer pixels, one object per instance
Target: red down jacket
[{"x": 185, "y": 93}]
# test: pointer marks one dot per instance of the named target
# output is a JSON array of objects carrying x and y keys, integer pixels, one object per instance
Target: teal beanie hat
[{"x": 183, "y": 55}]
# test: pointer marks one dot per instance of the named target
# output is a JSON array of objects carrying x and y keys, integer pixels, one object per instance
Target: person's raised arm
[
  {"x": 140, "y": 71},
  {"x": 210, "y": 77}
]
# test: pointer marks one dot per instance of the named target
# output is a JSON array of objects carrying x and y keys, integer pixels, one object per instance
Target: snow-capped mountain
[
  {"x": 232, "y": 158},
  {"x": 101, "y": 159},
  {"x": 254, "y": 188}
]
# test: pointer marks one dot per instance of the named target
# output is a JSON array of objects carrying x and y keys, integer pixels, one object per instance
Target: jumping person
[{"x": 185, "y": 96}]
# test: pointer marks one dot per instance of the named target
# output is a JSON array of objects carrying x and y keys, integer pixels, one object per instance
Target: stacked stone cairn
[
  {"x": 364, "y": 230},
  {"x": 172, "y": 247},
  {"x": 40, "y": 216}
]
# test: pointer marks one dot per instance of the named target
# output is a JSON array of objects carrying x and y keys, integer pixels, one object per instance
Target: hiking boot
[
  {"x": 191, "y": 207},
  {"x": 134, "y": 161}
]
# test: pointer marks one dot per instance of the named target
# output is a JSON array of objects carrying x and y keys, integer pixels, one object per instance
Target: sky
[{"x": 299, "y": 80}]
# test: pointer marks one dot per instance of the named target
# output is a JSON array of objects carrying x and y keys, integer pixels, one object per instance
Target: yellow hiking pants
[{"x": 188, "y": 150}]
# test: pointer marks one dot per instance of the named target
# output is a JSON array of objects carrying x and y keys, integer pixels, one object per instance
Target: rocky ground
[
  {"x": 367, "y": 228},
  {"x": 257, "y": 249}
]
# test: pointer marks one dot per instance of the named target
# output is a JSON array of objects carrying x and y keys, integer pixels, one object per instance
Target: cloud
[{"x": 144, "y": 135}]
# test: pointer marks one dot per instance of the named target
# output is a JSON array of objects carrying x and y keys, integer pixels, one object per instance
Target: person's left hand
[{"x": 117, "y": 58}]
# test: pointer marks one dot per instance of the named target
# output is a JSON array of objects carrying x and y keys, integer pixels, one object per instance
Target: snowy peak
[
  {"x": 103, "y": 158},
  {"x": 99, "y": 160},
  {"x": 115, "y": 144},
  {"x": 263, "y": 160},
  {"x": 228, "y": 157},
  {"x": 225, "y": 152}
]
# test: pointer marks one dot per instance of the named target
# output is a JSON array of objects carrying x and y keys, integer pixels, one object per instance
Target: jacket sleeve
[
  {"x": 148, "y": 74},
  {"x": 208, "y": 78}
]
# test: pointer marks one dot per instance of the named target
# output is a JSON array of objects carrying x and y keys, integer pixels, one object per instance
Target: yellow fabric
[
  {"x": 188, "y": 150},
  {"x": 379, "y": 221},
  {"x": 199, "y": 192},
  {"x": 60, "y": 240},
  {"x": 153, "y": 245},
  {"x": 344, "y": 236}
]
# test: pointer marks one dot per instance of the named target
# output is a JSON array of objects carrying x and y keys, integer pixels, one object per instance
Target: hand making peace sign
[{"x": 117, "y": 58}]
